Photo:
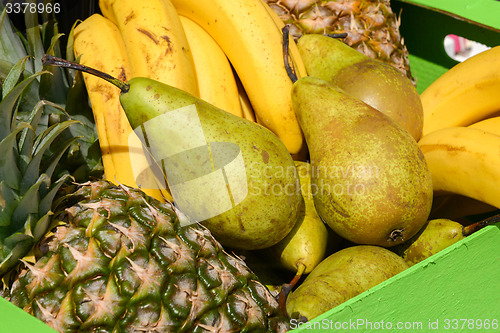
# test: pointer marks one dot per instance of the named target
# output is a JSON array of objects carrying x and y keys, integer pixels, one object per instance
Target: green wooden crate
[
  {"x": 456, "y": 290},
  {"x": 425, "y": 24}
]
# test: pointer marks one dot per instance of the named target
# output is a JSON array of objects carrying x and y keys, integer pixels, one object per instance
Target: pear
[
  {"x": 308, "y": 242},
  {"x": 370, "y": 181},
  {"x": 232, "y": 175},
  {"x": 435, "y": 236},
  {"x": 341, "y": 276},
  {"x": 376, "y": 83}
]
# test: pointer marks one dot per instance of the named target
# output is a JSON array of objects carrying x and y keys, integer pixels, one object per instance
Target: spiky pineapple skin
[
  {"x": 371, "y": 25},
  {"x": 121, "y": 262}
]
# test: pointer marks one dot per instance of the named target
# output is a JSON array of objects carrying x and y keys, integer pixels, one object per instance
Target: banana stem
[
  {"x": 470, "y": 229},
  {"x": 49, "y": 60}
]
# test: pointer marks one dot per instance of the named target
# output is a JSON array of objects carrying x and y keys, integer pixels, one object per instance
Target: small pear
[
  {"x": 341, "y": 276},
  {"x": 307, "y": 244},
  {"x": 370, "y": 180},
  {"x": 376, "y": 83},
  {"x": 435, "y": 236},
  {"x": 232, "y": 175}
]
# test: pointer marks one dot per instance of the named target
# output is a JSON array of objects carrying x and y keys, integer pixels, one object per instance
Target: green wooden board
[{"x": 456, "y": 290}]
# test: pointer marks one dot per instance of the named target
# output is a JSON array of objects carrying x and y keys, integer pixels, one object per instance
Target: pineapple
[
  {"x": 95, "y": 257},
  {"x": 121, "y": 262},
  {"x": 371, "y": 26},
  {"x": 27, "y": 188},
  {"x": 41, "y": 144}
]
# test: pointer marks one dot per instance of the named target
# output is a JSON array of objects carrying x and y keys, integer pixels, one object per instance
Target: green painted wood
[
  {"x": 15, "y": 320},
  {"x": 485, "y": 12},
  {"x": 426, "y": 23},
  {"x": 456, "y": 290},
  {"x": 425, "y": 72}
]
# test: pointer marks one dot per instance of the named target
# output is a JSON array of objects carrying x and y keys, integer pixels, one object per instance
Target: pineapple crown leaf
[
  {"x": 11, "y": 45},
  {"x": 9, "y": 169},
  {"x": 27, "y": 136},
  {"x": 34, "y": 37},
  {"x": 14, "y": 76},
  {"x": 48, "y": 200},
  {"x": 43, "y": 225},
  {"x": 43, "y": 141},
  {"x": 34, "y": 164},
  {"x": 8, "y": 104},
  {"x": 14, "y": 247},
  {"x": 28, "y": 204}
]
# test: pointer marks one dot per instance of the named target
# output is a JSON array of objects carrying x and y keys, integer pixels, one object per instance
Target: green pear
[
  {"x": 341, "y": 276},
  {"x": 307, "y": 244},
  {"x": 232, "y": 175},
  {"x": 370, "y": 181},
  {"x": 376, "y": 83},
  {"x": 435, "y": 236}
]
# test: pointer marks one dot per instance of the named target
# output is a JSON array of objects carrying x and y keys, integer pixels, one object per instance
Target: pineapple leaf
[
  {"x": 55, "y": 87},
  {"x": 7, "y": 105},
  {"x": 28, "y": 204},
  {"x": 44, "y": 140},
  {"x": 9, "y": 169},
  {"x": 48, "y": 200},
  {"x": 35, "y": 45},
  {"x": 14, "y": 76},
  {"x": 8, "y": 202},
  {"x": 70, "y": 55},
  {"x": 12, "y": 249},
  {"x": 55, "y": 159},
  {"x": 42, "y": 143},
  {"x": 27, "y": 136},
  {"x": 11, "y": 46},
  {"x": 40, "y": 228}
]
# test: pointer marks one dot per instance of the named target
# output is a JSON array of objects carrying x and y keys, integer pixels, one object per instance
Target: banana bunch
[
  {"x": 461, "y": 141},
  {"x": 228, "y": 53}
]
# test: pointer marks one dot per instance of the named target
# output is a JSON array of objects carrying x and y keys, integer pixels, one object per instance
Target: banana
[
  {"x": 155, "y": 41},
  {"x": 246, "y": 106},
  {"x": 491, "y": 125},
  {"x": 465, "y": 94},
  {"x": 216, "y": 80},
  {"x": 465, "y": 161},
  {"x": 252, "y": 41},
  {"x": 98, "y": 43}
]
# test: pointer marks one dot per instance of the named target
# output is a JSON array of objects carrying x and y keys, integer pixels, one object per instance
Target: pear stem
[
  {"x": 339, "y": 35},
  {"x": 290, "y": 70},
  {"x": 470, "y": 229},
  {"x": 49, "y": 60}
]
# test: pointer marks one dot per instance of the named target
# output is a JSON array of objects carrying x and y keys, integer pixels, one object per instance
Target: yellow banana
[
  {"x": 155, "y": 41},
  {"x": 491, "y": 125},
  {"x": 246, "y": 106},
  {"x": 253, "y": 43},
  {"x": 216, "y": 80},
  {"x": 465, "y": 94},
  {"x": 98, "y": 42},
  {"x": 465, "y": 161}
]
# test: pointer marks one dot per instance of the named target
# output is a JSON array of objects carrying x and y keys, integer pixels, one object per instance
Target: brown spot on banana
[
  {"x": 129, "y": 17},
  {"x": 427, "y": 148},
  {"x": 122, "y": 76},
  {"x": 149, "y": 34}
]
